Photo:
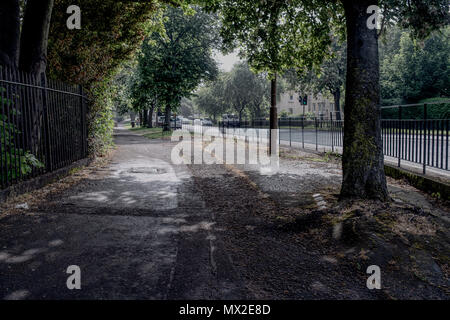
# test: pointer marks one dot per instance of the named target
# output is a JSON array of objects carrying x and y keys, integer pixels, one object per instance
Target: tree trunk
[
  {"x": 10, "y": 32},
  {"x": 133, "y": 119},
  {"x": 337, "y": 103},
  {"x": 150, "y": 116},
  {"x": 33, "y": 43},
  {"x": 167, "y": 119},
  {"x": 145, "y": 118},
  {"x": 140, "y": 118},
  {"x": 273, "y": 115},
  {"x": 362, "y": 161}
]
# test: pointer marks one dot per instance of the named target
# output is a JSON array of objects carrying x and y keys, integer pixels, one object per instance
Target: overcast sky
[{"x": 226, "y": 62}]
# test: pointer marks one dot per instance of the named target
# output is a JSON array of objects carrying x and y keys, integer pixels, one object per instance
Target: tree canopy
[
  {"x": 414, "y": 70},
  {"x": 174, "y": 62}
]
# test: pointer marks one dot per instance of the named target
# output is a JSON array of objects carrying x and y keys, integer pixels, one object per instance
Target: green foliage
[
  {"x": 284, "y": 114},
  {"x": 110, "y": 35},
  {"x": 276, "y": 35},
  {"x": 245, "y": 90},
  {"x": 101, "y": 123},
  {"x": 211, "y": 99},
  {"x": 187, "y": 107},
  {"x": 122, "y": 87},
  {"x": 174, "y": 63},
  {"x": 328, "y": 78},
  {"x": 412, "y": 70},
  {"x": 18, "y": 161},
  {"x": 422, "y": 17},
  {"x": 239, "y": 91}
]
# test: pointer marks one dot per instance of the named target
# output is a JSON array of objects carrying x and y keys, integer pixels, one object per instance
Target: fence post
[
  {"x": 400, "y": 149},
  {"x": 83, "y": 122},
  {"x": 303, "y": 131},
  {"x": 290, "y": 141},
  {"x": 317, "y": 132},
  {"x": 48, "y": 157},
  {"x": 331, "y": 129},
  {"x": 279, "y": 132},
  {"x": 425, "y": 132}
]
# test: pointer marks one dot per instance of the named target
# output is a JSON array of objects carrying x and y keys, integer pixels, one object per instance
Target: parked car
[
  {"x": 160, "y": 121},
  {"x": 207, "y": 122},
  {"x": 176, "y": 123},
  {"x": 230, "y": 120}
]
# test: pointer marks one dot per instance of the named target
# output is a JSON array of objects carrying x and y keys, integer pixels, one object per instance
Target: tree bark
[
  {"x": 362, "y": 161},
  {"x": 240, "y": 114},
  {"x": 337, "y": 103},
  {"x": 145, "y": 118},
  {"x": 273, "y": 115},
  {"x": 34, "y": 40},
  {"x": 167, "y": 119},
  {"x": 150, "y": 116},
  {"x": 9, "y": 32},
  {"x": 133, "y": 119}
]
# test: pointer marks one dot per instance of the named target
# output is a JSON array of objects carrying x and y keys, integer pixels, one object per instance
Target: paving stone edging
[{"x": 419, "y": 181}]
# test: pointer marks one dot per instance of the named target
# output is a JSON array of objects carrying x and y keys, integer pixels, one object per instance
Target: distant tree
[
  {"x": 122, "y": 84},
  {"x": 211, "y": 98},
  {"x": 274, "y": 36},
  {"x": 246, "y": 91},
  {"x": 329, "y": 77},
  {"x": 411, "y": 71},
  {"x": 174, "y": 63},
  {"x": 187, "y": 107}
]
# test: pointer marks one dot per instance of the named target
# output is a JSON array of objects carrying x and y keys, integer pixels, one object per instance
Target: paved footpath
[{"x": 137, "y": 230}]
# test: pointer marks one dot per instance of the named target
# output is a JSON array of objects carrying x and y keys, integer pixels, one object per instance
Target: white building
[{"x": 318, "y": 105}]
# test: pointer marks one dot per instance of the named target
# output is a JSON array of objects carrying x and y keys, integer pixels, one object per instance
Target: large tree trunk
[
  {"x": 273, "y": 116},
  {"x": 337, "y": 103},
  {"x": 9, "y": 32},
  {"x": 33, "y": 43},
  {"x": 362, "y": 162}
]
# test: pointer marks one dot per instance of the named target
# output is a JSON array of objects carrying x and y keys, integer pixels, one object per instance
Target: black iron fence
[
  {"x": 421, "y": 140},
  {"x": 42, "y": 125}
]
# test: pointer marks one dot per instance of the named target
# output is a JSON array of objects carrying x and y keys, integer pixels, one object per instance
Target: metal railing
[
  {"x": 42, "y": 125},
  {"x": 420, "y": 140}
]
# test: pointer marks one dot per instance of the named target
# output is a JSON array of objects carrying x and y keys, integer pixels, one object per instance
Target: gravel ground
[{"x": 284, "y": 247}]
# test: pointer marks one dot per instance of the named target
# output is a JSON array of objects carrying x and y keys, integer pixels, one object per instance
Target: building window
[
  {"x": 291, "y": 111},
  {"x": 292, "y": 97},
  {"x": 314, "y": 107}
]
